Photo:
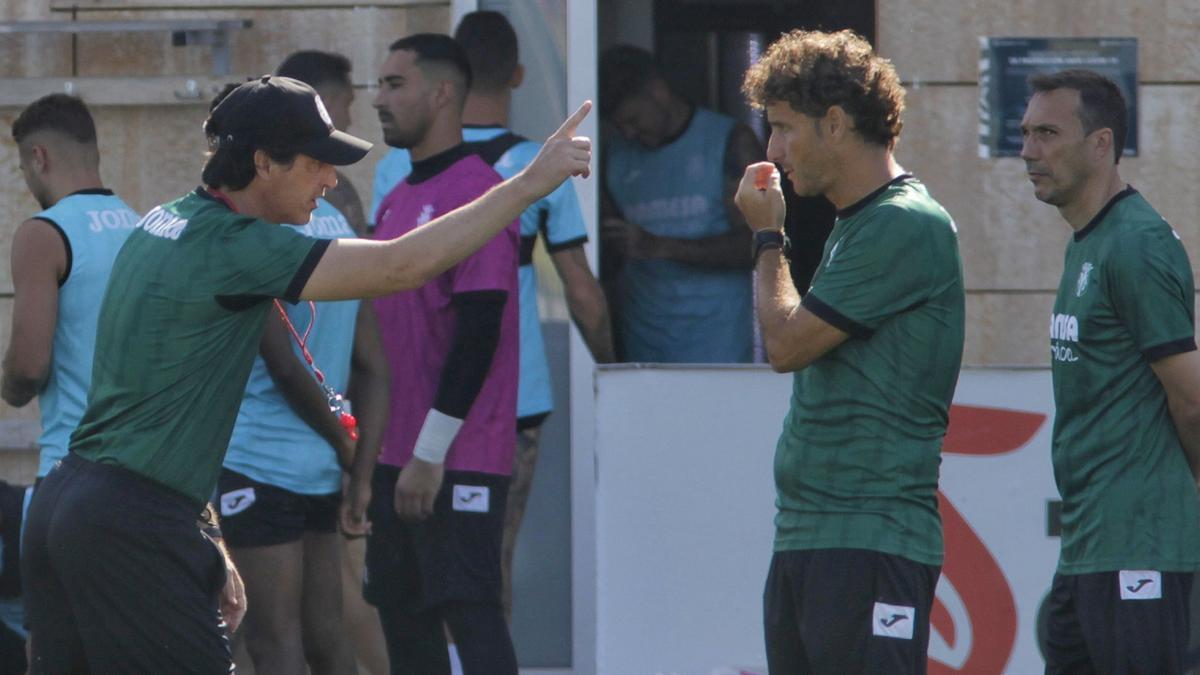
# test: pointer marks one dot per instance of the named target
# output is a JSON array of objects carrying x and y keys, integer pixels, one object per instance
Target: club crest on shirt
[
  {"x": 426, "y": 215},
  {"x": 833, "y": 251},
  {"x": 1082, "y": 284}
]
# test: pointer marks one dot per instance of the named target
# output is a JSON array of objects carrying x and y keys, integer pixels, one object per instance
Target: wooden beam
[
  {"x": 117, "y": 91},
  {"x": 163, "y": 5}
]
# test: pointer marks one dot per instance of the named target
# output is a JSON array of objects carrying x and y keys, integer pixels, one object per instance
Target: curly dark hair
[{"x": 813, "y": 71}]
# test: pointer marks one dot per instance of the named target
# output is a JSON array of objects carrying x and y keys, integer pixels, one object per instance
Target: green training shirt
[
  {"x": 179, "y": 327},
  {"x": 857, "y": 463},
  {"x": 1125, "y": 301}
]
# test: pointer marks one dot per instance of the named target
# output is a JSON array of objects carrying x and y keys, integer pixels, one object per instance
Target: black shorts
[
  {"x": 260, "y": 514},
  {"x": 847, "y": 611},
  {"x": 119, "y": 577},
  {"x": 453, "y": 555},
  {"x": 1133, "y": 621}
]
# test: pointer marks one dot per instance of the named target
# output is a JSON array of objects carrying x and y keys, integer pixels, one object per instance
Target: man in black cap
[{"x": 120, "y": 579}]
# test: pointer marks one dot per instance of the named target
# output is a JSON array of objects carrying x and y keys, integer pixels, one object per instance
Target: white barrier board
[{"x": 685, "y": 505}]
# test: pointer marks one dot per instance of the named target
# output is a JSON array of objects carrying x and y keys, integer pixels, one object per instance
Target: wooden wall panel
[
  {"x": 1008, "y": 238},
  {"x": 938, "y": 40}
]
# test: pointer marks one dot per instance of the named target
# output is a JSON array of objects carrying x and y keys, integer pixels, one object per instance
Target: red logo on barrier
[{"x": 974, "y": 618}]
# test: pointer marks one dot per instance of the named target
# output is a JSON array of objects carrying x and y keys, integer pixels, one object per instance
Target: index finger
[{"x": 567, "y": 129}]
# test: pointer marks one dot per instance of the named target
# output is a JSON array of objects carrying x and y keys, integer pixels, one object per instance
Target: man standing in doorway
[{"x": 683, "y": 291}]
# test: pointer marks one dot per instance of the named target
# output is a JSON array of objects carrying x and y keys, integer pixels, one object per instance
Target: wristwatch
[{"x": 765, "y": 239}]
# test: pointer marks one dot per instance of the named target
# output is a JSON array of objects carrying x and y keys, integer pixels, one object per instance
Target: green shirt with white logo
[
  {"x": 1125, "y": 301},
  {"x": 179, "y": 327},
  {"x": 857, "y": 463}
]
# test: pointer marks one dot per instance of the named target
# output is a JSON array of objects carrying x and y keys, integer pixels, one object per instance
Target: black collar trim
[
  {"x": 432, "y": 166},
  {"x": 495, "y": 125},
  {"x": 92, "y": 191},
  {"x": 682, "y": 130},
  {"x": 862, "y": 203},
  {"x": 1095, "y": 221}
]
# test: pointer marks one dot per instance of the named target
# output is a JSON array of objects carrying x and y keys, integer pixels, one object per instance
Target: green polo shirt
[
  {"x": 857, "y": 463},
  {"x": 179, "y": 328}
]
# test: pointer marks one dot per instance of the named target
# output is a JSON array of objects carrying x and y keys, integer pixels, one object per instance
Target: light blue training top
[
  {"x": 271, "y": 443},
  {"x": 94, "y": 225},
  {"x": 673, "y": 312}
]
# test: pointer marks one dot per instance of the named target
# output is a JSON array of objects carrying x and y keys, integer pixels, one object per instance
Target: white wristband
[{"x": 436, "y": 435}]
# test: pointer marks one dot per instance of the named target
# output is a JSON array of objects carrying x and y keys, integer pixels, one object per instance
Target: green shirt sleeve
[
  {"x": 257, "y": 259},
  {"x": 876, "y": 271},
  {"x": 1150, "y": 282}
]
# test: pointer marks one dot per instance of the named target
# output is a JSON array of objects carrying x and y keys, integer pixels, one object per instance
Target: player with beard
[{"x": 439, "y": 490}]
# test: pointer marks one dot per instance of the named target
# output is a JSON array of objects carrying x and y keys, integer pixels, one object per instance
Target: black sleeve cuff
[
  {"x": 835, "y": 318},
  {"x": 296, "y": 287},
  {"x": 564, "y": 245},
  {"x": 1158, "y": 352}
]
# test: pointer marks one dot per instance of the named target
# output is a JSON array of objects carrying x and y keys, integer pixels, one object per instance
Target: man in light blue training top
[
  {"x": 683, "y": 292},
  {"x": 61, "y": 258},
  {"x": 491, "y": 47}
]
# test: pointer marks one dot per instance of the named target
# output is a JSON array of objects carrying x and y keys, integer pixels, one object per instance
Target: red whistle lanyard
[{"x": 338, "y": 404}]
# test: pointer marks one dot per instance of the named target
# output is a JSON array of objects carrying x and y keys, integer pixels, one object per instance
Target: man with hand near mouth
[{"x": 875, "y": 345}]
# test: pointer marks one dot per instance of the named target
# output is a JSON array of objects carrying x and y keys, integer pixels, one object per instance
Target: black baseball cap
[{"x": 284, "y": 113}]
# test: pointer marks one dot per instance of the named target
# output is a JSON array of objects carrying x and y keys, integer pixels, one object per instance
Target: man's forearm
[
  {"x": 589, "y": 311},
  {"x": 306, "y": 398},
  {"x": 17, "y": 390},
  {"x": 368, "y": 391}
]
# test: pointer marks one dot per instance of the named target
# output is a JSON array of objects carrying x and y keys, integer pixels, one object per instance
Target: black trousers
[
  {"x": 847, "y": 612},
  {"x": 119, "y": 578}
]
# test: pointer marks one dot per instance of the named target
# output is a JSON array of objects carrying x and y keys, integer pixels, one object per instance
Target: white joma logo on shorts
[
  {"x": 236, "y": 501},
  {"x": 471, "y": 498},
  {"x": 1140, "y": 584},
  {"x": 893, "y": 621}
]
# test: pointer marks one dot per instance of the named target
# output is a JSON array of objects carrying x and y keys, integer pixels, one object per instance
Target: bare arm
[
  {"x": 794, "y": 337},
  {"x": 1180, "y": 378},
  {"x": 370, "y": 385},
  {"x": 724, "y": 251},
  {"x": 300, "y": 388},
  {"x": 39, "y": 261},
  {"x": 357, "y": 268},
  {"x": 586, "y": 302}
]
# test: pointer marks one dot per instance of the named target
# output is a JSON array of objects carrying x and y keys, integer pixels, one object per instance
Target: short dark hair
[
  {"x": 231, "y": 164},
  {"x": 62, "y": 113},
  {"x": 1101, "y": 104},
  {"x": 625, "y": 71},
  {"x": 813, "y": 71},
  {"x": 316, "y": 68},
  {"x": 491, "y": 46},
  {"x": 440, "y": 49}
]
